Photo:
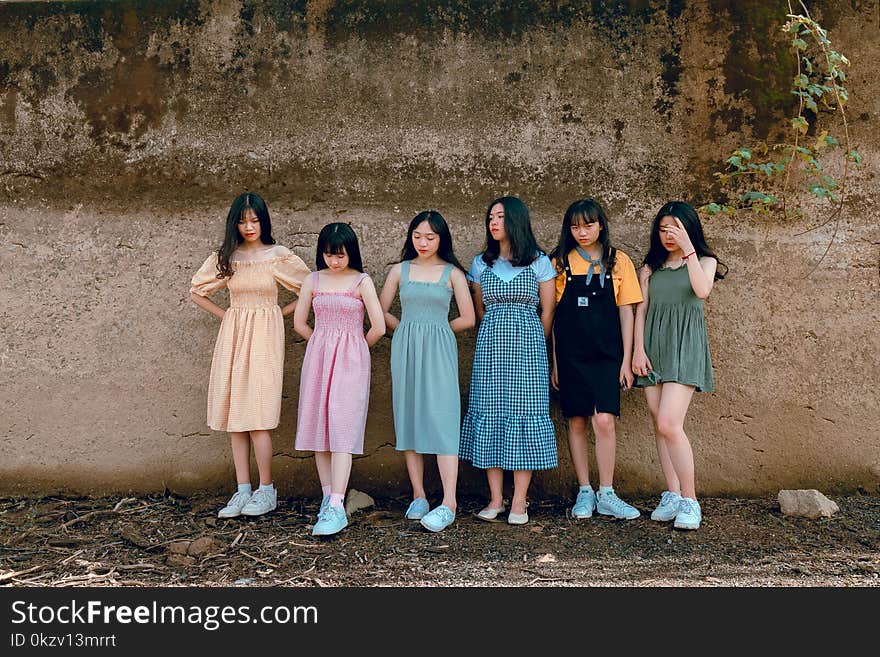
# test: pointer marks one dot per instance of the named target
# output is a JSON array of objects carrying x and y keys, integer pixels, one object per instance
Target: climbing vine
[{"x": 761, "y": 178}]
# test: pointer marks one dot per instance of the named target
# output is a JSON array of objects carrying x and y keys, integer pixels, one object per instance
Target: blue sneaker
[
  {"x": 584, "y": 505},
  {"x": 438, "y": 518},
  {"x": 324, "y": 503},
  {"x": 332, "y": 521},
  {"x": 417, "y": 509},
  {"x": 608, "y": 504},
  {"x": 689, "y": 514},
  {"x": 668, "y": 507}
]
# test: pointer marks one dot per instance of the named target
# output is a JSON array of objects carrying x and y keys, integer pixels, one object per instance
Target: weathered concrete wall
[{"x": 126, "y": 128}]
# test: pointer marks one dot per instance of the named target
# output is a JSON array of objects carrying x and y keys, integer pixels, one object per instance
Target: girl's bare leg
[
  {"x": 340, "y": 467},
  {"x": 322, "y": 463},
  {"x": 415, "y": 467},
  {"x": 653, "y": 395},
  {"x": 674, "y": 401},
  {"x": 495, "y": 476},
  {"x": 577, "y": 447},
  {"x": 448, "y": 466},
  {"x": 521, "y": 481},
  {"x": 262, "y": 441},
  {"x": 606, "y": 446},
  {"x": 241, "y": 455}
]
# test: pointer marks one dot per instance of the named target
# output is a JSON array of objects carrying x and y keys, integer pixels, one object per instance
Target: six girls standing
[
  {"x": 507, "y": 425},
  {"x": 671, "y": 353},
  {"x": 335, "y": 379},
  {"x": 424, "y": 360},
  {"x": 244, "y": 389},
  {"x": 592, "y": 347}
]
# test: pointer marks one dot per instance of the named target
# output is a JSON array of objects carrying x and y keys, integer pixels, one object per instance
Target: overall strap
[
  {"x": 316, "y": 277},
  {"x": 357, "y": 282},
  {"x": 404, "y": 271},
  {"x": 447, "y": 272}
]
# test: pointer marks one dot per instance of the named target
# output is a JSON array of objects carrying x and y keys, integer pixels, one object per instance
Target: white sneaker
[
  {"x": 234, "y": 505},
  {"x": 261, "y": 502},
  {"x": 689, "y": 514},
  {"x": 668, "y": 507}
]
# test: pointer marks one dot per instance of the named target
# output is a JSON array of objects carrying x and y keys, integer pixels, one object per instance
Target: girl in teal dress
[
  {"x": 424, "y": 359},
  {"x": 671, "y": 352}
]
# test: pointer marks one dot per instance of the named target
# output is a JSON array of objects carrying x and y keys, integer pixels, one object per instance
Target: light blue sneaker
[
  {"x": 584, "y": 505},
  {"x": 324, "y": 503},
  {"x": 438, "y": 518},
  {"x": 262, "y": 501},
  {"x": 668, "y": 507},
  {"x": 689, "y": 514},
  {"x": 332, "y": 520},
  {"x": 417, "y": 509},
  {"x": 608, "y": 504},
  {"x": 234, "y": 506}
]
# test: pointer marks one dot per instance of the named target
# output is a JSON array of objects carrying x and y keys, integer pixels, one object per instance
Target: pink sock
[
  {"x": 336, "y": 499},
  {"x": 325, "y": 490}
]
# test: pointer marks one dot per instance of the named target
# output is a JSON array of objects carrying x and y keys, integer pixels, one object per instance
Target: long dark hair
[
  {"x": 438, "y": 225},
  {"x": 524, "y": 248},
  {"x": 689, "y": 218},
  {"x": 335, "y": 237},
  {"x": 588, "y": 211},
  {"x": 241, "y": 204}
]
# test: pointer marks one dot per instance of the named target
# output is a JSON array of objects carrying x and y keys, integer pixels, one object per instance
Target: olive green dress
[{"x": 676, "y": 341}]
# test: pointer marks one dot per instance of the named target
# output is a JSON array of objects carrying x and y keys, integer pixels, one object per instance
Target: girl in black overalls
[{"x": 592, "y": 347}]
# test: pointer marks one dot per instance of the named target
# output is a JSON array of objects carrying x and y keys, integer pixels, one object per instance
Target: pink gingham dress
[{"x": 334, "y": 389}]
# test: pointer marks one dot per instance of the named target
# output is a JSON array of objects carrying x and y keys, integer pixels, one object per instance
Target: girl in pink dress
[{"x": 335, "y": 380}]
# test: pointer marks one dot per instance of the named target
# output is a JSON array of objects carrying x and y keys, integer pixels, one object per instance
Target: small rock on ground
[
  {"x": 806, "y": 504},
  {"x": 357, "y": 500}
]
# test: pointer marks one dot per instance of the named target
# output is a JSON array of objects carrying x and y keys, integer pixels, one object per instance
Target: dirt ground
[{"x": 172, "y": 541}]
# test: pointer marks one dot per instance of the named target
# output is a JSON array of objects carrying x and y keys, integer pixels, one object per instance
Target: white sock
[
  {"x": 267, "y": 488},
  {"x": 325, "y": 490},
  {"x": 336, "y": 499},
  {"x": 584, "y": 489},
  {"x": 245, "y": 488},
  {"x": 604, "y": 490}
]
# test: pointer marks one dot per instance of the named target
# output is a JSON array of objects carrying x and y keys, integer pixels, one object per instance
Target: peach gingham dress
[
  {"x": 244, "y": 391},
  {"x": 334, "y": 389}
]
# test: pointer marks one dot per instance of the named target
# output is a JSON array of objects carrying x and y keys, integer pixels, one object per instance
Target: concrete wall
[{"x": 127, "y": 127}]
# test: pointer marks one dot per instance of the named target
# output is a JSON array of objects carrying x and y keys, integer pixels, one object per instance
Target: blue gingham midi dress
[{"x": 507, "y": 424}]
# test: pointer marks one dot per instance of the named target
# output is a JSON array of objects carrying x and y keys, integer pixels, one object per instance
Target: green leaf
[
  {"x": 811, "y": 104},
  {"x": 855, "y": 156},
  {"x": 735, "y": 161},
  {"x": 745, "y": 153},
  {"x": 800, "y": 44},
  {"x": 830, "y": 183},
  {"x": 831, "y": 140},
  {"x": 800, "y": 81},
  {"x": 804, "y": 151},
  {"x": 808, "y": 65},
  {"x": 799, "y": 123}
]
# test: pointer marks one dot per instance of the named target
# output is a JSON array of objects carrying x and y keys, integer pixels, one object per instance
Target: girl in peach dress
[{"x": 244, "y": 390}]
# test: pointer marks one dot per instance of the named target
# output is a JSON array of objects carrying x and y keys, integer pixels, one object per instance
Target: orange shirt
[{"x": 626, "y": 282}]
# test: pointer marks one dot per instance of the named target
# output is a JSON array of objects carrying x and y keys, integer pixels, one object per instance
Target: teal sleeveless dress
[
  {"x": 424, "y": 368},
  {"x": 676, "y": 340}
]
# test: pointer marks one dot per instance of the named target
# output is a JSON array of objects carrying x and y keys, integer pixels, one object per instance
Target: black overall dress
[{"x": 589, "y": 345}]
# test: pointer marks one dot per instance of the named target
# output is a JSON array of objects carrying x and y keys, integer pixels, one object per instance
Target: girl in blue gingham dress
[{"x": 507, "y": 425}]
